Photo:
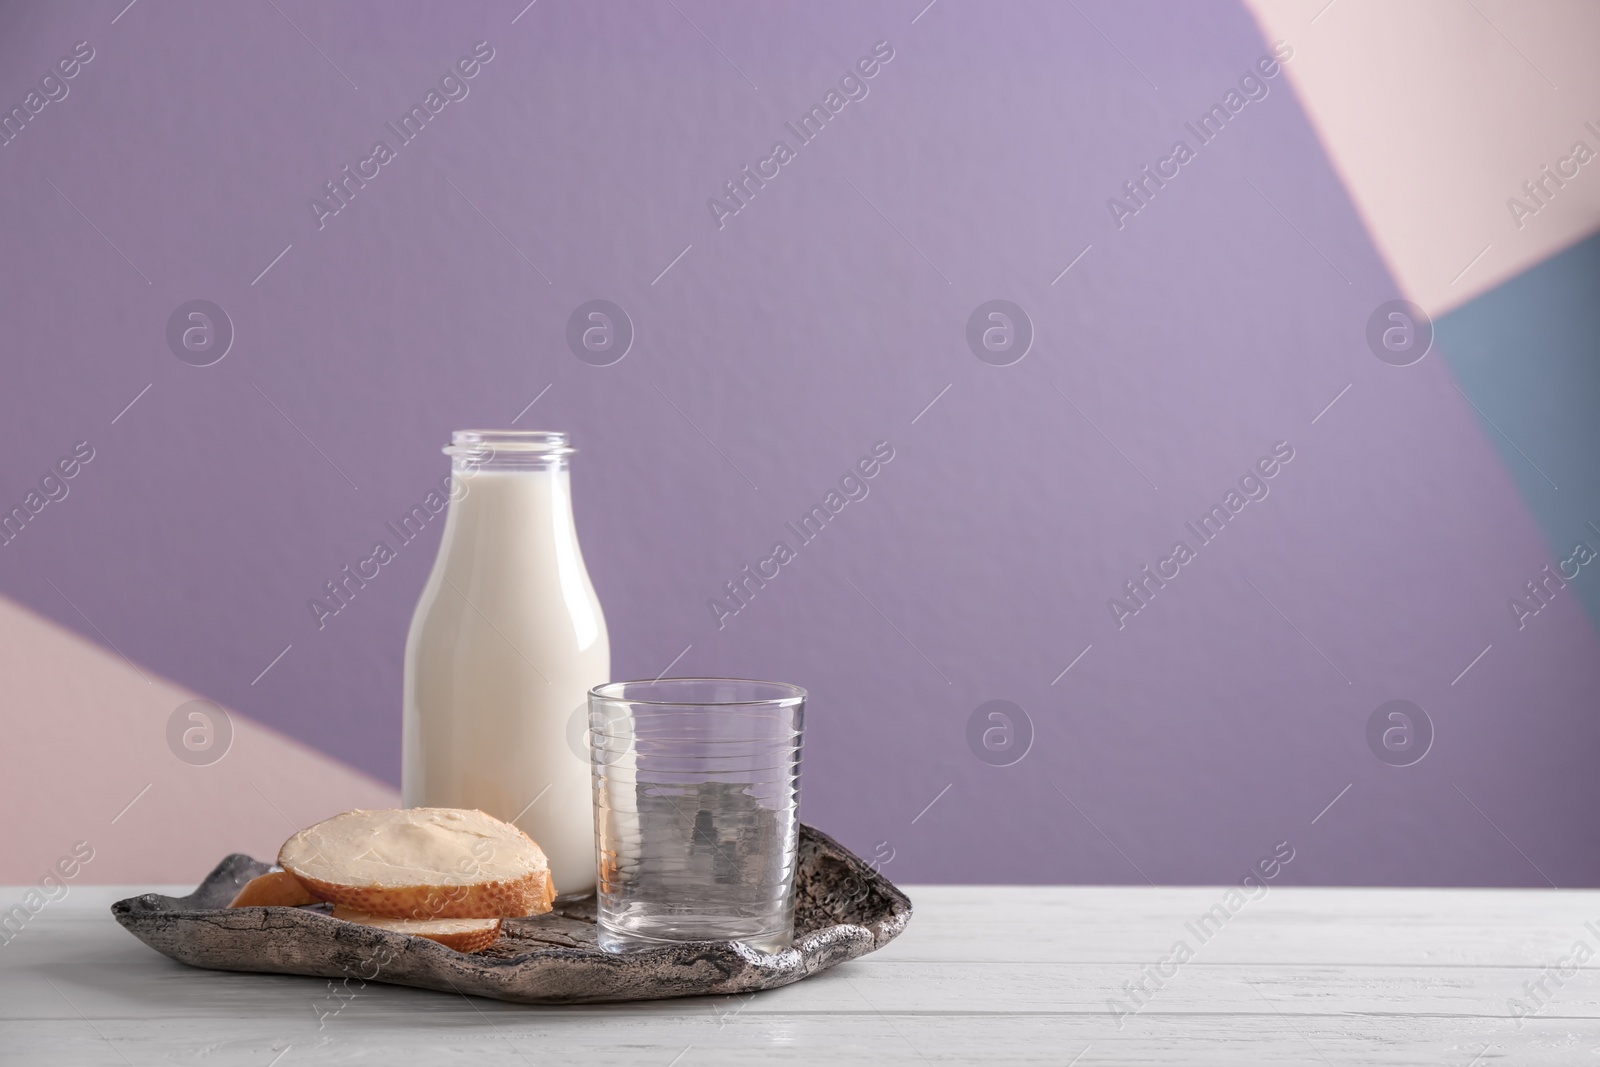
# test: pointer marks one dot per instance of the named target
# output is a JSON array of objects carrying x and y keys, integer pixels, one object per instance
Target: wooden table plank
[
  {"x": 998, "y": 975},
  {"x": 122, "y": 981},
  {"x": 844, "y": 1041}
]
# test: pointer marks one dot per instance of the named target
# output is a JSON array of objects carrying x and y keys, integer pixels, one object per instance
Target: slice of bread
[
  {"x": 276, "y": 889},
  {"x": 463, "y": 935},
  {"x": 422, "y": 863}
]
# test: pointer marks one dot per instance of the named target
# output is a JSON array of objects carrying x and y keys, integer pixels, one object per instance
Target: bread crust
[{"x": 532, "y": 895}]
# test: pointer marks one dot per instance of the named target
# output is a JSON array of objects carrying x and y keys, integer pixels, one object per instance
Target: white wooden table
[{"x": 983, "y": 975}]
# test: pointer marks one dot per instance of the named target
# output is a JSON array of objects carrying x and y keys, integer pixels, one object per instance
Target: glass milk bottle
[{"x": 505, "y": 644}]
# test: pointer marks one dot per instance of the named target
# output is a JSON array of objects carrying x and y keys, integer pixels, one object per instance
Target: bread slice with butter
[{"x": 421, "y": 864}]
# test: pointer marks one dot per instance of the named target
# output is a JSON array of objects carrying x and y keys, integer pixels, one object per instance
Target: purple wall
[{"x": 822, "y": 318}]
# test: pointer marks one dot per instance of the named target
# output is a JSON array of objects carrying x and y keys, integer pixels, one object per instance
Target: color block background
[{"x": 770, "y": 353}]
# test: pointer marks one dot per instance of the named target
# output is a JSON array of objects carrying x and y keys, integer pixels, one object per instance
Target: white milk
[{"x": 506, "y": 642}]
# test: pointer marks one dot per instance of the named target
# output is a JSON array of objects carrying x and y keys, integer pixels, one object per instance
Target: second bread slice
[
  {"x": 463, "y": 935},
  {"x": 275, "y": 889}
]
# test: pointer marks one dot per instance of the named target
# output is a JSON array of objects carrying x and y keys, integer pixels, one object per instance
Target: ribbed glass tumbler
[{"x": 696, "y": 797}]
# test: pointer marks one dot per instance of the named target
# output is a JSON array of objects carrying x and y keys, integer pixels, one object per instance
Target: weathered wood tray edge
[{"x": 844, "y": 909}]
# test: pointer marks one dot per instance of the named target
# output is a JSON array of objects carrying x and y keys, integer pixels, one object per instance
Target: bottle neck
[
  {"x": 508, "y": 523},
  {"x": 510, "y": 543},
  {"x": 511, "y": 487}
]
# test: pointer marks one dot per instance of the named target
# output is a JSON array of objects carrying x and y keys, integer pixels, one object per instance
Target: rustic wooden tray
[{"x": 844, "y": 909}]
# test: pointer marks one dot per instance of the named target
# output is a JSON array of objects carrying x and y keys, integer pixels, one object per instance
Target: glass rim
[{"x": 612, "y": 693}]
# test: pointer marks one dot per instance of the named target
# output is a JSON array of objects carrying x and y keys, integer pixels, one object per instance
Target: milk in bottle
[{"x": 507, "y": 639}]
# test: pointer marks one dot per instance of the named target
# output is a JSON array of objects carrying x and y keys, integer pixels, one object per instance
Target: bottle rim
[{"x": 480, "y": 443}]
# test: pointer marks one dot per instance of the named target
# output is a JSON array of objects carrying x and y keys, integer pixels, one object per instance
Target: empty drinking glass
[{"x": 696, "y": 794}]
